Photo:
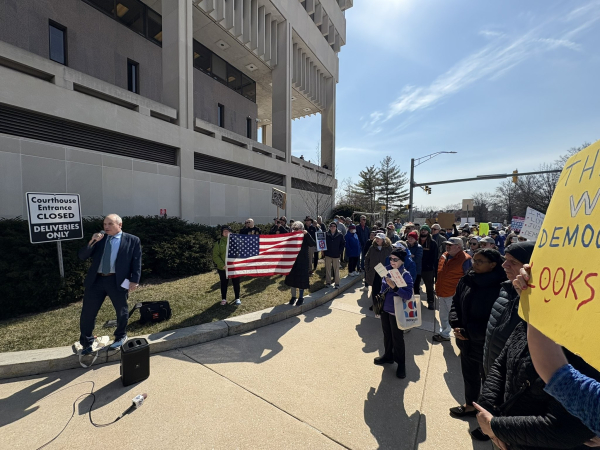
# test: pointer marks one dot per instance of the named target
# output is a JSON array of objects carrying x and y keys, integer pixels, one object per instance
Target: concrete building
[{"x": 146, "y": 105}]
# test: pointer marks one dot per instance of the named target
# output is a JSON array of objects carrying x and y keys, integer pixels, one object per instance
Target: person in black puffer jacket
[
  {"x": 504, "y": 316},
  {"x": 471, "y": 305},
  {"x": 518, "y": 412}
]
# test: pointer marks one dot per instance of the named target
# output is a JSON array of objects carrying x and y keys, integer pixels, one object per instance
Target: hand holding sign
[{"x": 561, "y": 300}]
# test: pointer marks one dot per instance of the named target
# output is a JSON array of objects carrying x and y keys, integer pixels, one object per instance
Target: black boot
[
  {"x": 300, "y": 301},
  {"x": 401, "y": 371},
  {"x": 292, "y": 301},
  {"x": 380, "y": 361}
]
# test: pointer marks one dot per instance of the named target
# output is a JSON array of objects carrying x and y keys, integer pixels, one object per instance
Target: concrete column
[
  {"x": 282, "y": 99},
  {"x": 267, "y": 135},
  {"x": 178, "y": 88},
  {"x": 328, "y": 126},
  {"x": 282, "y": 91},
  {"x": 177, "y": 65}
]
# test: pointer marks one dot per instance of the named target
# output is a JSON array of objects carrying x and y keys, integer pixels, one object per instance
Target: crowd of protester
[{"x": 526, "y": 391}]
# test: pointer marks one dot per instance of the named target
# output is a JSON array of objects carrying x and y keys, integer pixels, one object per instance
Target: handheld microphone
[
  {"x": 137, "y": 402},
  {"x": 102, "y": 232}
]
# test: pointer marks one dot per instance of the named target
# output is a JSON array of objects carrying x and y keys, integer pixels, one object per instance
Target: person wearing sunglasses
[
  {"x": 249, "y": 228},
  {"x": 473, "y": 246},
  {"x": 393, "y": 337}
]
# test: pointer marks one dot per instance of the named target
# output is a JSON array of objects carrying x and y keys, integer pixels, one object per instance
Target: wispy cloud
[{"x": 501, "y": 55}]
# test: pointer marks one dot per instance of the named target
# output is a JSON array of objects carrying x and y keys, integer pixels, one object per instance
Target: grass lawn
[{"x": 194, "y": 300}]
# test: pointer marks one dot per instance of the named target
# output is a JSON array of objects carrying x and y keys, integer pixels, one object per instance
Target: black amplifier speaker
[{"x": 135, "y": 361}]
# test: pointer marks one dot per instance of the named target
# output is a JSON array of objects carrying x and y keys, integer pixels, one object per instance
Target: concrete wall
[
  {"x": 106, "y": 183},
  {"x": 208, "y": 93},
  {"x": 97, "y": 45}
]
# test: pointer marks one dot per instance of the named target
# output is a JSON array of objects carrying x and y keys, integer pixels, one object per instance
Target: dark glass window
[
  {"x": 234, "y": 78},
  {"x": 249, "y": 127},
  {"x": 133, "y": 76},
  {"x": 221, "y": 115},
  {"x": 134, "y": 14},
  {"x": 108, "y": 6},
  {"x": 219, "y": 69},
  {"x": 154, "y": 26},
  {"x": 58, "y": 43},
  {"x": 248, "y": 88},
  {"x": 212, "y": 65},
  {"x": 202, "y": 57},
  {"x": 131, "y": 13}
]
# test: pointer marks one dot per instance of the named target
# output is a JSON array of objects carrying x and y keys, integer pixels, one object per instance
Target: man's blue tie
[{"x": 106, "y": 256}]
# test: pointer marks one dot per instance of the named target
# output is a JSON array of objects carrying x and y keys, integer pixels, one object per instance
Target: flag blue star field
[{"x": 262, "y": 255}]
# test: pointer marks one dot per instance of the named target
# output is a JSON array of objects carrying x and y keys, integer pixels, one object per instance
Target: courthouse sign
[{"x": 54, "y": 217}]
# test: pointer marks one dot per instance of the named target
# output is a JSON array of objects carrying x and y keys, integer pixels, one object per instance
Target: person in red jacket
[{"x": 453, "y": 265}]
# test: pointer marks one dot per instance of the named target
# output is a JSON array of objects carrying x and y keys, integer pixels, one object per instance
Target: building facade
[{"x": 142, "y": 106}]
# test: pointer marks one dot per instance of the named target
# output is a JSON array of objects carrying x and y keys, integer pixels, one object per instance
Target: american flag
[{"x": 262, "y": 255}]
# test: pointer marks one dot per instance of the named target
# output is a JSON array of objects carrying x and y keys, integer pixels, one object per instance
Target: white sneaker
[
  {"x": 238, "y": 301},
  {"x": 356, "y": 273}
]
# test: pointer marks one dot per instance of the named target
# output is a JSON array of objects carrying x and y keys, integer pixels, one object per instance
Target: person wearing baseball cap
[
  {"x": 219, "y": 257},
  {"x": 335, "y": 246},
  {"x": 453, "y": 265},
  {"x": 487, "y": 242},
  {"x": 391, "y": 233}
]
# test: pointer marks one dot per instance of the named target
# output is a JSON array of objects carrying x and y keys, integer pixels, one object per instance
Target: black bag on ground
[{"x": 152, "y": 312}]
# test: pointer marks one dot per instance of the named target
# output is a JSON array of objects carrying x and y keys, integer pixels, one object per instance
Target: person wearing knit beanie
[
  {"x": 425, "y": 227},
  {"x": 521, "y": 251}
]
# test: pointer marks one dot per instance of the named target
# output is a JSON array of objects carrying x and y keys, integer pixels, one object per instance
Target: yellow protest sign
[
  {"x": 484, "y": 229},
  {"x": 562, "y": 301}
]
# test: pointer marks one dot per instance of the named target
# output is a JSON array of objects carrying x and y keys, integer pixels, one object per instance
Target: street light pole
[
  {"x": 412, "y": 179},
  {"x": 412, "y": 182}
]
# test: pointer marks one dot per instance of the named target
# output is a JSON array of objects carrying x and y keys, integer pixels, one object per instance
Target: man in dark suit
[{"x": 116, "y": 262}]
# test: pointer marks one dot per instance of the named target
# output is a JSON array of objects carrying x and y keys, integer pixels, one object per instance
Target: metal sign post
[{"x": 61, "y": 267}]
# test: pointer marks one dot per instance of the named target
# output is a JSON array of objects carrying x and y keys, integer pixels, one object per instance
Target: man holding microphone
[{"x": 115, "y": 271}]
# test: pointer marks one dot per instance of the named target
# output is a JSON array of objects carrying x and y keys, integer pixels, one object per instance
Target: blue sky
[{"x": 506, "y": 84}]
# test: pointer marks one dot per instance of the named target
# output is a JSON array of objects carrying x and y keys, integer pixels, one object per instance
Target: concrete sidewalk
[{"x": 306, "y": 382}]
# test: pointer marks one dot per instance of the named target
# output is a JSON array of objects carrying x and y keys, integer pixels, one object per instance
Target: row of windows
[
  {"x": 221, "y": 121},
  {"x": 219, "y": 69},
  {"x": 133, "y": 14}
]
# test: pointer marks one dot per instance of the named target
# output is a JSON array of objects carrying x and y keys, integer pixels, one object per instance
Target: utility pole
[{"x": 410, "y": 197}]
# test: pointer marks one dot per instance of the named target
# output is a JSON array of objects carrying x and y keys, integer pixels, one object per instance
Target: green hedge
[{"x": 29, "y": 273}]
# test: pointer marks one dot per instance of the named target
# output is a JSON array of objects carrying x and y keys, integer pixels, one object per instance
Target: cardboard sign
[
  {"x": 321, "y": 242},
  {"x": 278, "y": 198},
  {"x": 484, "y": 229},
  {"x": 446, "y": 220},
  {"x": 532, "y": 224},
  {"x": 563, "y": 300},
  {"x": 54, "y": 217},
  {"x": 517, "y": 224},
  {"x": 420, "y": 220}
]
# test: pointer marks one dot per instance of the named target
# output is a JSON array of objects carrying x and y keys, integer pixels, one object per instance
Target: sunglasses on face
[
  {"x": 394, "y": 259},
  {"x": 522, "y": 239},
  {"x": 474, "y": 243}
]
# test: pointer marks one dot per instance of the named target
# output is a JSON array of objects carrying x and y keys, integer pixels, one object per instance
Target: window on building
[
  {"x": 248, "y": 88},
  {"x": 202, "y": 57},
  {"x": 154, "y": 26},
  {"x": 58, "y": 43},
  {"x": 234, "y": 78},
  {"x": 221, "y": 116},
  {"x": 134, "y": 14},
  {"x": 219, "y": 69},
  {"x": 131, "y": 13},
  {"x": 249, "y": 127},
  {"x": 133, "y": 76}
]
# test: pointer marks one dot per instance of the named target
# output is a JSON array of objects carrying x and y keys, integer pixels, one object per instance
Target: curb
[{"x": 34, "y": 362}]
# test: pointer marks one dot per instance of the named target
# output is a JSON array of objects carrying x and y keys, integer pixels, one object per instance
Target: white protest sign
[
  {"x": 54, "y": 217},
  {"x": 532, "y": 225},
  {"x": 321, "y": 241}
]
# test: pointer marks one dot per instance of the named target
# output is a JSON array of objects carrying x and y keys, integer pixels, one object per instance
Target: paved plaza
[{"x": 306, "y": 382}]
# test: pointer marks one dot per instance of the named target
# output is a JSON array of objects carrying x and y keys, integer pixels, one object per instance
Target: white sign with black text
[{"x": 54, "y": 217}]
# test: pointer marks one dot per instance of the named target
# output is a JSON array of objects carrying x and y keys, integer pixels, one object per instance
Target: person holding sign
[
  {"x": 393, "y": 337},
  {"x": 471, "y": 306},
  {"x": 115, "y": 272}
]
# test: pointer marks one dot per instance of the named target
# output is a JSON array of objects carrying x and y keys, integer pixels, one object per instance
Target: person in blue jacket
[
  {"x": 353, "y": 250},
  {"x": 417, "y": 255},
  {"x": 393, "y": 337},
  {"x": 409, "y": 264}
]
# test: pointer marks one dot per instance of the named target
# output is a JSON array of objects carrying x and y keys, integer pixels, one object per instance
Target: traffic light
[
  {"x": 515, "y": 176},
  {"x": 428, "y": 189},
  {"x": 407, "y": 206}
]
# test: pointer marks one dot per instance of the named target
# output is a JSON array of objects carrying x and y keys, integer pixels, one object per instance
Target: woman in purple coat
[{"x": 393, "y": 337}]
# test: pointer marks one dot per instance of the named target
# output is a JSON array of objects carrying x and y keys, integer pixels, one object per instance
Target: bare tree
[{"x": 316, "y": 188}]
